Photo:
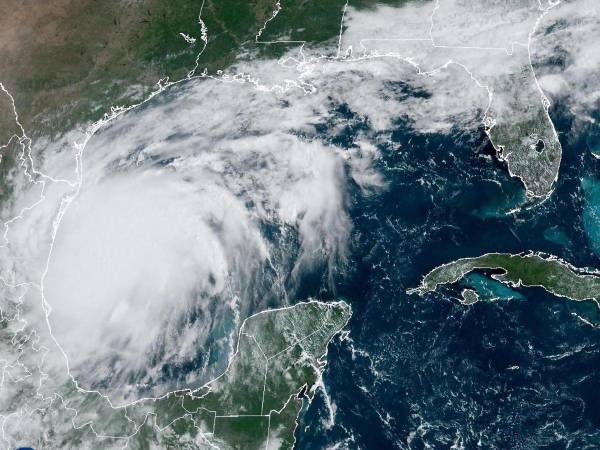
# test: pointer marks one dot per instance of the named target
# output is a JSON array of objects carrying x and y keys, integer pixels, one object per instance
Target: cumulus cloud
[
  {"x": 190, "y": 207},
  {"x": 216, "y": 197},
  {"x": 566, "y": 55},
  {"x": 135, "y": 254},
  {"x": 207, "y": 203},
  {"x": 485, "y": 24}
]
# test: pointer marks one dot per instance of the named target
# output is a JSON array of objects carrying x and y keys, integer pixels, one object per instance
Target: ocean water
[
  {"x": 557, "y": 236},
  {"x": 593, "y": 142},
  {"x": 591, "y": 212},
  {"x": 429, "y": 372}
]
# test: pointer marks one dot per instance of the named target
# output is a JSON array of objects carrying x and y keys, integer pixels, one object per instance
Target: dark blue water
[{"x": 430, "y": 372}]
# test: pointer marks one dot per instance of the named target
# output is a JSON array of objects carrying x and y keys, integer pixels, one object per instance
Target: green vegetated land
[
  {"x": 256, "y": 401},
  {"x": 311, "y": 22},
  {"x": 531, "y": 269},
  {"x": 67, "y": 61},
  {"x": 279, "y": 354},
  {"x": 469, "y": 297}
]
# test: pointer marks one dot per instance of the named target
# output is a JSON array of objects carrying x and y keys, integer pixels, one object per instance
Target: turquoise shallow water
[
  {"x": 557, "y": 235},
  {"x": 593, "y": 142},
  {"x": 500, "y": 202},
  {"x": 431, "y": 372},
  {"x": 490, "y": 289},
  {"x": 591, "y": 212}
]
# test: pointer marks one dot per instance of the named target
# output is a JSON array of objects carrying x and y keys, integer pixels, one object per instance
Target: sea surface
[{"x": 516, "y": 370}]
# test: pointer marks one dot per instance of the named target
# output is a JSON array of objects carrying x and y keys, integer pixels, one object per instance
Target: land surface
[
  {"x": 522, "y": 131},
  {"x": 469, "y": 297},
  {"x": 527, "y": 270},
  {"x": 255, "y": 403},
  {"x": 66, "y": 62}
]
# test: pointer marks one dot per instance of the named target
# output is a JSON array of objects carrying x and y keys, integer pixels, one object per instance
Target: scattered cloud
[
  {"x": 566, "y": 56},
  {"x": 211, "y": 200}
]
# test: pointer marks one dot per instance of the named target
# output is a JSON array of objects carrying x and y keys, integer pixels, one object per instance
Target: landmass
[
  {"x": 529, "y": 269},
  {"x": 521, "y": 131},
  {"x": 496, "y": 57},
  {"x": 254, "y": 404},
  {"x": 469, "y": 297},
  {"x": 67, "y": 63}
]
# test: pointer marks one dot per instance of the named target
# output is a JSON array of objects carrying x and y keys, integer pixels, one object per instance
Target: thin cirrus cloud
[
  {"x": 167, "y": 240},
  {"x": 209, "y": 201}
]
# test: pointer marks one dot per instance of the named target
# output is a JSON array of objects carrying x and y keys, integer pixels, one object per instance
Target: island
[{"x": 525, "y": 269}]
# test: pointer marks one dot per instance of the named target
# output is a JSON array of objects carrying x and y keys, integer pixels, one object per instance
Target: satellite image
[{"x": 299, "y": 224}]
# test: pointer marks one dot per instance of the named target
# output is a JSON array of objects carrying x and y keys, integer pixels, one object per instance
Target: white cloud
[
  {"x": 167, "y": 238},
  {"x": 566, "y": 55},
  {"x": 486, "y": 24},
  {"x": 133, "y": 251},
  {"x": 199, "y": 205}
]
